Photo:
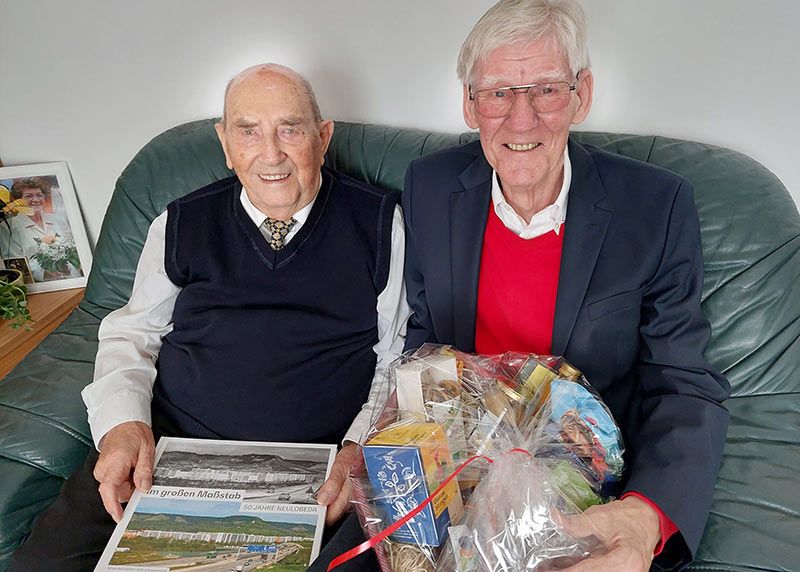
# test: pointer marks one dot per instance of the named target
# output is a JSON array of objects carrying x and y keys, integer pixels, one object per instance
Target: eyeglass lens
[{"x": 545, "y": 98}]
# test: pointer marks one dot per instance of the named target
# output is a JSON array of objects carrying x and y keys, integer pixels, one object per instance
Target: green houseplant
[
  {"x": 13, "y": 299},
  {"x": 13, "y": 295}
]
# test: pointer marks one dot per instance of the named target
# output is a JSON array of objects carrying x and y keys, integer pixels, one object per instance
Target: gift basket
[{"x": 484, "y": 463}]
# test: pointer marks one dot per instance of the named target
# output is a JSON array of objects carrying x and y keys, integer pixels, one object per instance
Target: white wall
[{"x": 90, "y": 82}]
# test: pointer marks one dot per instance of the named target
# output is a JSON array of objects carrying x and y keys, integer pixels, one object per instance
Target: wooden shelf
[{"x": 48, "y": 309}]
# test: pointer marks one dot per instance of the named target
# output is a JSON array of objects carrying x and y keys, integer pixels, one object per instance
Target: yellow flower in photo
[{"x": 10, "y": 208}]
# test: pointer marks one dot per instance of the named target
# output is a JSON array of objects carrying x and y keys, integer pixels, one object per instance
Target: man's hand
[
  {"x": 125, "y": 463},
  {"x": 630, "y": 530},
  {"x": 335, "y": 493}
]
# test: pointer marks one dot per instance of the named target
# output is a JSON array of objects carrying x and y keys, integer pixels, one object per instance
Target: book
[{"x": 224, "y": 506}]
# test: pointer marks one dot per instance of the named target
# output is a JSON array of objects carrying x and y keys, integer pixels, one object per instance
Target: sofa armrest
[
  {"x": 756, "y": 501},
  {"x": 25, "y": 491},
  {"x": 44, "y": 434}
]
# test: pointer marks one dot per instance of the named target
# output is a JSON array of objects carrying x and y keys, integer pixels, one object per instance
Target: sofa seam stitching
[{"x": 45, "y": 421}]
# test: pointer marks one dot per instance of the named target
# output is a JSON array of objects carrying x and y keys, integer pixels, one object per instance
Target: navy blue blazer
[{"x": 627, "y": 310}]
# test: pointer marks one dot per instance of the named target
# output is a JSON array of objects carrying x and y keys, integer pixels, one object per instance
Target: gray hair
[
  {"x": 512, "y": 21},
  {"x": 304, "y": 84}
]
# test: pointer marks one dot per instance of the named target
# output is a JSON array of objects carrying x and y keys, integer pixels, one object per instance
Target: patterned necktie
[{"x": 277, "y": 231}]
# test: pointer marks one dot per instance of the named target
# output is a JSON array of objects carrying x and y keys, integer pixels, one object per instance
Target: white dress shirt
[
  {"x": 130, "y": 337},
  {"x": 547, "y": 219}
]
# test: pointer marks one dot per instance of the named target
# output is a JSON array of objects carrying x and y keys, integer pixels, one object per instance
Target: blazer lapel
[
  {"x": 586, "y": 225},
  {"x": 468, "y": 210}
]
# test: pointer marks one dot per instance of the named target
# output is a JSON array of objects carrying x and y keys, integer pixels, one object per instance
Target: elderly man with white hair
[
  {"x": 263, "y": 306},
  {"x": 544, "y": 245}
]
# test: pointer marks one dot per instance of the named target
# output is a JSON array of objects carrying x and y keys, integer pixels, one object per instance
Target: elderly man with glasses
[{"x": 529, "y": 241}]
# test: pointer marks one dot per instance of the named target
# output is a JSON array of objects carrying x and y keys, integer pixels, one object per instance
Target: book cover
[{"x": 222, "y": 506}]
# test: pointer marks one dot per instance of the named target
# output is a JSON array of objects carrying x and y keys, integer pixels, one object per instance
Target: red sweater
[{"x": 517, "y": 289}]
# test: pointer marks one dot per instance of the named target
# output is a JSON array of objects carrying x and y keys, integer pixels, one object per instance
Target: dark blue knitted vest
[{"x": 273, "y": 346}]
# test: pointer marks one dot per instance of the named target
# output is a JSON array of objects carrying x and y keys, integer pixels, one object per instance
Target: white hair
[{"x": 513, "y": 21}]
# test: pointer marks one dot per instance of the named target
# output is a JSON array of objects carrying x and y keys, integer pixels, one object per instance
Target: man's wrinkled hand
[
  {"x": 126, "y": 459},
  {"x": 335, "y": 493},
  {"x": 630, "y": 530}
]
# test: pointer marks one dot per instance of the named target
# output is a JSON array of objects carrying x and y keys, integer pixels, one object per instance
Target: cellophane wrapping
[{"x": 535, "y": 446}]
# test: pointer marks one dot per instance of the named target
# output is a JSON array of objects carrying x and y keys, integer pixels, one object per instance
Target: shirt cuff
[
  {"x": 667, "y": 527},
  {"x": 116, "y": 409},
  {"x": 358, "y": 428}
]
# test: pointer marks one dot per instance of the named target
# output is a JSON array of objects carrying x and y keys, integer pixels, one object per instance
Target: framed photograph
[
  {"x": 20, "y": 264},
  {"x": 40, "y": 223}
]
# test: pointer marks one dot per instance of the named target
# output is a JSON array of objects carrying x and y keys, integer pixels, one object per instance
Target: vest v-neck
[
  {"x": 280, "y": 258},
  {"x": 232, "y": 297}
]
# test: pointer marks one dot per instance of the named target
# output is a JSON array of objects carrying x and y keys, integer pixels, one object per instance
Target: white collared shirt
[
  {"x": 258, "y": 218},
  {"x": 547, "y": 219},
  {"x": 130, "y": 337}
]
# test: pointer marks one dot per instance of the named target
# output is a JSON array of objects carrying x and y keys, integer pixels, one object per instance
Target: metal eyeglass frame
[{"x": 512, "y": 89}]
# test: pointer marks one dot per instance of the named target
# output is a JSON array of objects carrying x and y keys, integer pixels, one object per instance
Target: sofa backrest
[{"x": 749, "y": 223}]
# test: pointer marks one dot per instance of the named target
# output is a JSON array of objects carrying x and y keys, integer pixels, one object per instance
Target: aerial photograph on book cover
[
  {"x": 224, "y": 506},
  {"x": 271, "y": 474},
  {"x": 166, "y": 534}
]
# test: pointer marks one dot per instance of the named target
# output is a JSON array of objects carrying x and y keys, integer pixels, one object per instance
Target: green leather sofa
[{"x": 751, "y": 243}]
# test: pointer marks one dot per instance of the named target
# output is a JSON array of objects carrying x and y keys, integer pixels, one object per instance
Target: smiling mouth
[
  {"x": 521, "y": 146},
  {"x": 273, "y": 177}
]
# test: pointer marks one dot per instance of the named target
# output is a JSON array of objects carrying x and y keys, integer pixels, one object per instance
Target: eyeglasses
[{"x": 544, "y": 97}]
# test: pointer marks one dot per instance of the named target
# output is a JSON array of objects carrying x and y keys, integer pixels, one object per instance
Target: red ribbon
[{"x": 386, "y": 532}]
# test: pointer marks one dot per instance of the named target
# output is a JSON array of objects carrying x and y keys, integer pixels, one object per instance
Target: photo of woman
[
  {"x": 39, "y": 230},
  {"x": 44, "y": 237}
]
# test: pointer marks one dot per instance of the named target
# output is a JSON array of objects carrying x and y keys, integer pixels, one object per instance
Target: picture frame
[
  {"x": 50, "y": 237},
  {"x": 20, "y": 263}
]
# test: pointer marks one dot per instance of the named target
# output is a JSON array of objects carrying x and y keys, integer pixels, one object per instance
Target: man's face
[
  {"x": 539, "y": 138},
  {"x": 272, "y": 141},
  {"x": 34, "y": 197}
]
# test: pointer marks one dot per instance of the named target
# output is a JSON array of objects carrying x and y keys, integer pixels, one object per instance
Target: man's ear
[
  {"x": 325, "y": 134},
  {"x": 585, "y": 92},
  {"x": 468, "y": 107},
  {"x": 220, "y": 129}
]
